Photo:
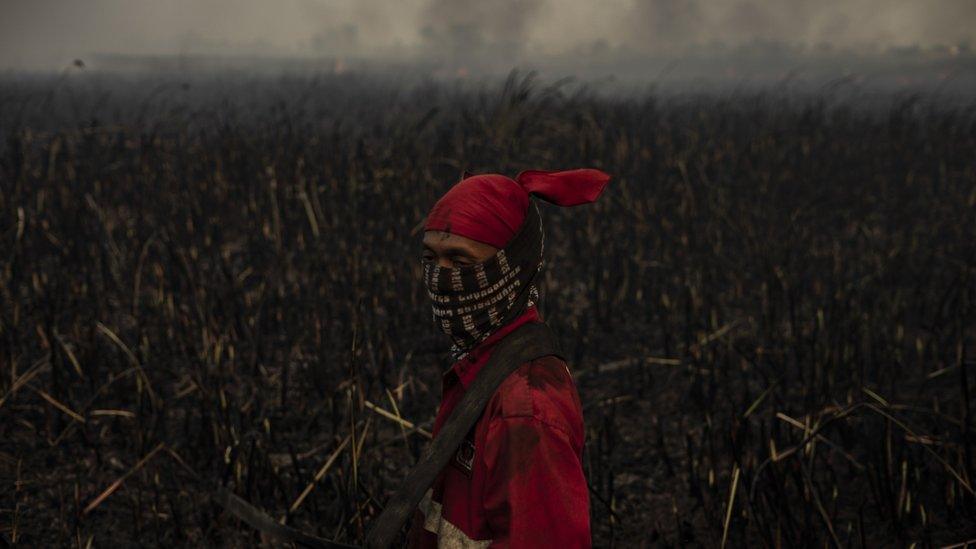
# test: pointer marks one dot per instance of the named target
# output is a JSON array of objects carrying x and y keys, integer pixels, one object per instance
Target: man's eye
[{"x": 461, "y": 260}]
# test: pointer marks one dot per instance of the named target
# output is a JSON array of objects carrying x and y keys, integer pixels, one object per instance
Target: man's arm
[{"x": 535, "y": 492}]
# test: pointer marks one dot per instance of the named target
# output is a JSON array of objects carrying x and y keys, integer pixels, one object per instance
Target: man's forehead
[
  {"x": 445, "y": 242},
  {"x": 439, "y": 237}
]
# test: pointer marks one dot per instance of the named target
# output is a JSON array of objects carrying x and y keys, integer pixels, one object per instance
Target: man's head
[{"x": 483, "y": 243}]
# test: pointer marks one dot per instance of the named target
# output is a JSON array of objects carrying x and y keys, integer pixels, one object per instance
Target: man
[{"x": 517, "y": 479}]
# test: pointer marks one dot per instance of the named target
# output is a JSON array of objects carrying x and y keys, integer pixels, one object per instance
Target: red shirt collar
[{"x": 467, "y": 368}]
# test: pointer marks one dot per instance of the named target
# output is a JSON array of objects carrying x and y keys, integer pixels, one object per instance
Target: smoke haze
[{"x": 50, "y": 33}]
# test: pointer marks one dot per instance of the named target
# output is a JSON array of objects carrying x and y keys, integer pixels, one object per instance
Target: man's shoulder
[{"x": 543, "y": 389}]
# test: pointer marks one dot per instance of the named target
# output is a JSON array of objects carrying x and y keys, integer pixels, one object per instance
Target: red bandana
[{"x": 490, "y": 208}]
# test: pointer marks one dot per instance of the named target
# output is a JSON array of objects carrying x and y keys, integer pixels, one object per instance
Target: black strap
[{"x": 525, "y": 343}]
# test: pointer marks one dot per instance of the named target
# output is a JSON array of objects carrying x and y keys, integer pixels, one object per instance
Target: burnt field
[{"x": 770, "y": 313}]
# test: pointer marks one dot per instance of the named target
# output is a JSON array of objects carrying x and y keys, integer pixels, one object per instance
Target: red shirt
[{"x": 517, "y": 480}]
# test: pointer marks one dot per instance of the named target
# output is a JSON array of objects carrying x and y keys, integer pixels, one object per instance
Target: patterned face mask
[{"x": 472, "y": 302}]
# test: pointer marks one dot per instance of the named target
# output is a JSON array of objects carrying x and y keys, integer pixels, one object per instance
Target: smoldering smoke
[{"x": 51, "y": 32}]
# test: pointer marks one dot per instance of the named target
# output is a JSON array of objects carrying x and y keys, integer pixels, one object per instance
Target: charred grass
[{"x": 771, "y": 314}]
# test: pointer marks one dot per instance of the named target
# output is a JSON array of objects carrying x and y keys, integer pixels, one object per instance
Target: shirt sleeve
[{"x": 535, "y": 492}]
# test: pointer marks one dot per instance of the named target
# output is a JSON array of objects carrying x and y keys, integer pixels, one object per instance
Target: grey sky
[{"x": 49, "y": 33}]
